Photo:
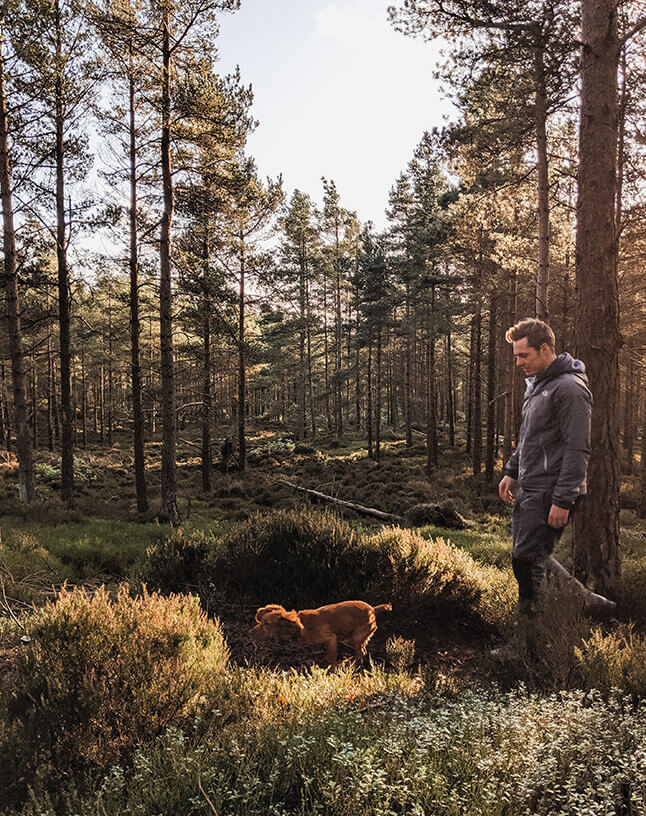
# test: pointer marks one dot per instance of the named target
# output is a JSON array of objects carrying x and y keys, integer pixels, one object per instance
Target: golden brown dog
[{"x": 350, "y": 622}]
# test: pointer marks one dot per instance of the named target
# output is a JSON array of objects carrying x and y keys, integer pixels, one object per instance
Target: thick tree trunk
[
  {"x": 596, "y": 525},
  {"x": 135, "y": 362},
  {"x": 469, "y": 387},
  {"x": 23, "y": 444},
  {"x": 170, "y": 508},
  {"x": 206, "y": 400},
  {"x": 67, "y": 419},
  {"x": 338, "y": 339}
]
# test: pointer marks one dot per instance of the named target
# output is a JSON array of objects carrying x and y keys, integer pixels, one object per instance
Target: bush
[
  {"x": 434, "y": 574},
  {"x": 614, "y": 660},
  {"x": 99, "y": 677},
  {"x": 177, "y": 563},
  {"x": 297, "y": 558}
]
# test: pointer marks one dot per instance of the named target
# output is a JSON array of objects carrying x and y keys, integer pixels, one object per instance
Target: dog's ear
[
  {"x": 289, "y": 624},
  {"x": 265, "y": 610}
]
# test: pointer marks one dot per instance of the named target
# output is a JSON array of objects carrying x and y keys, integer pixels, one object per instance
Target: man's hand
[
  {"x": 504, "y": 489},
  {"x": 558, "y": 517}
]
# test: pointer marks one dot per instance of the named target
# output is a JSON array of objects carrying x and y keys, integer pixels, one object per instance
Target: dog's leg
[{"x": 331, "y": 648}]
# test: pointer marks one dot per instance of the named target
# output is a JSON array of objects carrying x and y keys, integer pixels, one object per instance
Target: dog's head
[{"x": 275, "y": 623}]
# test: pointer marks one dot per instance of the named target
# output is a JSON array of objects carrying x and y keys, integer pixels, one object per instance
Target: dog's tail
[{"x": 383, "y": 608}]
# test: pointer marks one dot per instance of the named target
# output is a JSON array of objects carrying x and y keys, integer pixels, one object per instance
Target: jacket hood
[{"x": 564, "y": 364}]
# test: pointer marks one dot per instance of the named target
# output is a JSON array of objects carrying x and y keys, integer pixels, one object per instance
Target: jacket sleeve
[
  {"x": 511, "y": 468},
  {"x": 573, "y": 403}
]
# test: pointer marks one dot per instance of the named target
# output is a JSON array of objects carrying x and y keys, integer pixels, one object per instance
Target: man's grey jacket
[{"x": 554, "y": 440}]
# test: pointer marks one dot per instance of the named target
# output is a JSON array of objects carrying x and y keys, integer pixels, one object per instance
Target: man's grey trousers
[{"x": 534, "y": 541}]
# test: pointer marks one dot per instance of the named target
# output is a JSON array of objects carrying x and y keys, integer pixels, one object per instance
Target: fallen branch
[{"x": 358, "y": 508}]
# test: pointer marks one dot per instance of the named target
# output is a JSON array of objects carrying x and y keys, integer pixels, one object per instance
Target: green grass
[{"x": 76, "y": 549}]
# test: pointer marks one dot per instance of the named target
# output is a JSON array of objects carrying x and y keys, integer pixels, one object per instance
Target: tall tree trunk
[
  {"x": 490, "y": 447},
  {"x": 378, "y": 395},
  {"x": 431, "y": 417},
  {"x": 242, "y": 442},
  {"x": 369, "y": 402},
  {"x": 67, "y": 419},
  {"x": 326, "y": 347},
  {"x": 309, "y": 365},
  {"x": 110, "y": 373},
  {"x": 135, "y": 361},
  {"x": 450, "y": 388},
  {"x": 206, "y": 400},
  {"x": 300, "y": 426},
  {"x": 510, "y": 377},
  {"x": 408, "y": 400},
  {"x": 476, "y": 427},
  {"x": 469, "y": 388},
  {"x": 629, "y": 411},
  {"x": 23, "y": 443},
  {"x": 642, "y": 473},
  {"x": 170, "y": 508},
  {"x": 50, "y": 389},
  {"x": 596, "y": 541},
  {"x": 83, "y": 399},
  {"x": 540, "y": 108},
  {"x": 338, "y": 340}
]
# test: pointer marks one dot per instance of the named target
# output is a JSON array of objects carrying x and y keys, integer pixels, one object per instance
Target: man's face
[{"x": 532, "y": 361}]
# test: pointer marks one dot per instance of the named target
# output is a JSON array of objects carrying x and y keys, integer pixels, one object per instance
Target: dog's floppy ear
[
  {"x": 265, "y": 610},
  {"x": 289, "y": 623}
]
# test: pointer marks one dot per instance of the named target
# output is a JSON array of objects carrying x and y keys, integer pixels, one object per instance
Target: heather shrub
[
  {"x": 100, "y": 676},
  {"x": 177, "y": 563},
  {"x": 614, "y": 660},
  {"x": 297, "y": 558},
  {"x": 434, "y": 574}
]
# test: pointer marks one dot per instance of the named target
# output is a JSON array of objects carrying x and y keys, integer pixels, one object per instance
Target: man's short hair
[{"x": 536, "y": 331}]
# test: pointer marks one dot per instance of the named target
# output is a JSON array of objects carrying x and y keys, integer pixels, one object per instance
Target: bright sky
[{"x": 338, "y": 93}]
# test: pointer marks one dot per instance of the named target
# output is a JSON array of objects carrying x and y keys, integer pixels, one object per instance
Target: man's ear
[{"x": 265, "y": 610}]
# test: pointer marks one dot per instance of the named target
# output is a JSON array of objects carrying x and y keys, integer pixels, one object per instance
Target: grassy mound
[{"x": 100, "y": 676}]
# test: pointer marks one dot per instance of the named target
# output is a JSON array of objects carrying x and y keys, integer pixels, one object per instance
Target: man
[{"x": 551, "y": 460}]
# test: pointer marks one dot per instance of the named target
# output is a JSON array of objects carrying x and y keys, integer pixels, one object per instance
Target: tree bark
[
  {"x": 596, "y": 541},
  {"x": 135, "y": 361},
  {"x": 23, "y": 443},
  {"x": 490, "y": 449},
  {"x": 170, "y": 508},
  {"x": 67, "y": 419},
  {"x": 431, "y": 417},
  {"x": 543, "y": 272},
  {"x": 242, "y": 442}
]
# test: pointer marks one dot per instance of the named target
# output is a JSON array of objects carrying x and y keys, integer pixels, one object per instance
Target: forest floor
[{"x": 102, "y": 541}]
